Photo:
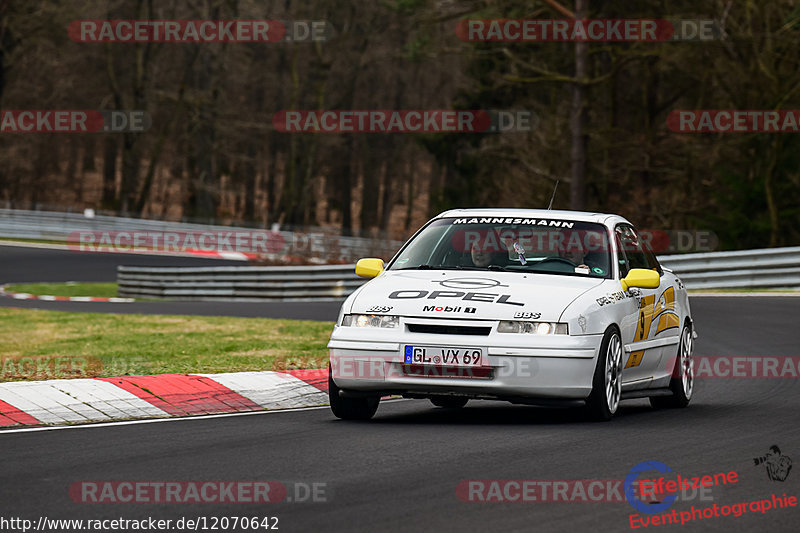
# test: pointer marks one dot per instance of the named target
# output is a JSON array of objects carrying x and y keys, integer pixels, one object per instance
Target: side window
[
  {"x": 652, "y": 262},
  {"x": 621, "y": 257},
  {"x": 634, "y": 252}
]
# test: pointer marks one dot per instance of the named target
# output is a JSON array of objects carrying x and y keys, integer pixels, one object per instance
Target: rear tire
[
  {"x": 603, "y": 402},
  {"x": 450, "y": 403},
  {"x": 350, "y": 408},
  {"x": 682, "y": 382}
]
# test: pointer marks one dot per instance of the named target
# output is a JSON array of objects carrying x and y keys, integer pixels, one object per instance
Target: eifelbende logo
[
  {"x": 632, "y": 479},
  {"x": 659, "y": 486},
  {"x": 777, "y": 465}
]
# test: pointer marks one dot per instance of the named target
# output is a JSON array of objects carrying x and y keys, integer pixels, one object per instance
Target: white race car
[{"x": 527, "y": 306}]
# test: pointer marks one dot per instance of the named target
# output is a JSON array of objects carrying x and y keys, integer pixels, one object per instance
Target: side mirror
[
  {"x": 641, "y": 277},
  {"x": 369, "y": 268}
]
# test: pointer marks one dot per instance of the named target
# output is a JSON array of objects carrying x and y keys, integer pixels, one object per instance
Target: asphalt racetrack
[
  {"x": 30, "y": 265},
  {"x": 400, "y": 472},
  {"x": 23, "y": 264}
]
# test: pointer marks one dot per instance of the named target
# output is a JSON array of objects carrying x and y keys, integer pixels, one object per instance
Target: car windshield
[{"x": 524, "y": 245}]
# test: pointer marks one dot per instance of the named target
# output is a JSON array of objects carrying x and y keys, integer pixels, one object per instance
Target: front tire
[
  {"x": 607, "y": 382},
  {"x": 682, "y": 382},
  {"x": 350, "y": 408}
]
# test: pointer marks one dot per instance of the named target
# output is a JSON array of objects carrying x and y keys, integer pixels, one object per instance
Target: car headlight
[
  {"x": 535, "y": 328},
  {"x": 371, "y": 321}
]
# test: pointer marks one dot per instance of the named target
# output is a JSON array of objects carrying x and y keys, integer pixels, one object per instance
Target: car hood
[{"x": 471, "y": 295}]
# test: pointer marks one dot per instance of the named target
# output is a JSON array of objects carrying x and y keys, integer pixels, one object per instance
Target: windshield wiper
[
  {"x": 418, "y": 267},
  {"x": 456, "y": 267}
]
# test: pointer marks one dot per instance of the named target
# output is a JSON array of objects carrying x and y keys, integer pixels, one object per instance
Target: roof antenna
[{"x": 549, "y": 207}]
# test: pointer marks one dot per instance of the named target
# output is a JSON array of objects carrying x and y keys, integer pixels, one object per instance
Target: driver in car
[
  {"x": 481, "y": 257},
  {"x": 575, "y": 252}
]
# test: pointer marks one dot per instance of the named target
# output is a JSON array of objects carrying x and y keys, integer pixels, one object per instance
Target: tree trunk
[
  {"x": 110, "y": 153},
  {"x": 577, "y": 196},
  {"x": 371, "y": 172},
  {"x": 772, "y": 209}
]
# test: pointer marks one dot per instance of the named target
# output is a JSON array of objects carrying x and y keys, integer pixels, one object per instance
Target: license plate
[{"x": 442, "y": 356}]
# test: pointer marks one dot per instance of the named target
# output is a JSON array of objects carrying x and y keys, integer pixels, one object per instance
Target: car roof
[{"x": 547, "y": 214}]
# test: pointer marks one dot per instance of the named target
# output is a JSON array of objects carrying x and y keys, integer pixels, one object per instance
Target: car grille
[
  {"x": 431, "y": 371},
  {"x": 449, "y": 330}
]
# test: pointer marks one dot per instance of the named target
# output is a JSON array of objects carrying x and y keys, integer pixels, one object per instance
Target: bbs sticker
[
  {"x": 528, "y": 315},
  {"x": 379, "y": 309}
]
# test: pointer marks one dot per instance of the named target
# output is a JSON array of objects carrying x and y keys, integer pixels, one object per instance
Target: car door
[{"x": 642, "y": 352}]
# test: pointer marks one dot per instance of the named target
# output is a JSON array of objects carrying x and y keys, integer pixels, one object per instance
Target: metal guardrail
[
  {"x": 746, "y": 269},
  {"x": 319, "y": 245},
  {"x": 57, "y": 226},
  {"x": 319, "y": 283},
  {"x": 771, "y": 268}
]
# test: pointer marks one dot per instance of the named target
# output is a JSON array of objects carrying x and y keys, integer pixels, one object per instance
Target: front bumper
[{"x": 519, "y": 366}]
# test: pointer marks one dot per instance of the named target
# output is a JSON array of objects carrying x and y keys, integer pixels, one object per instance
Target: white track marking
[
  {"x": 271, "y": 390},
  {"x": 41, "y": 402},
  {"x": 178, "y": 419},
  {"x": 157, "y": 420},
  {"x": 108, "y": 398},
  {"x": 237, "y": 256},
  {"x": 75, "y": 400}
]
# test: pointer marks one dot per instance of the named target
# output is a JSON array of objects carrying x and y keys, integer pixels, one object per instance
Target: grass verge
[
  {"x": 12, "y": 240},
  {"x": 97, "y": 290},
  {"x": 37, "y": 344}
]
